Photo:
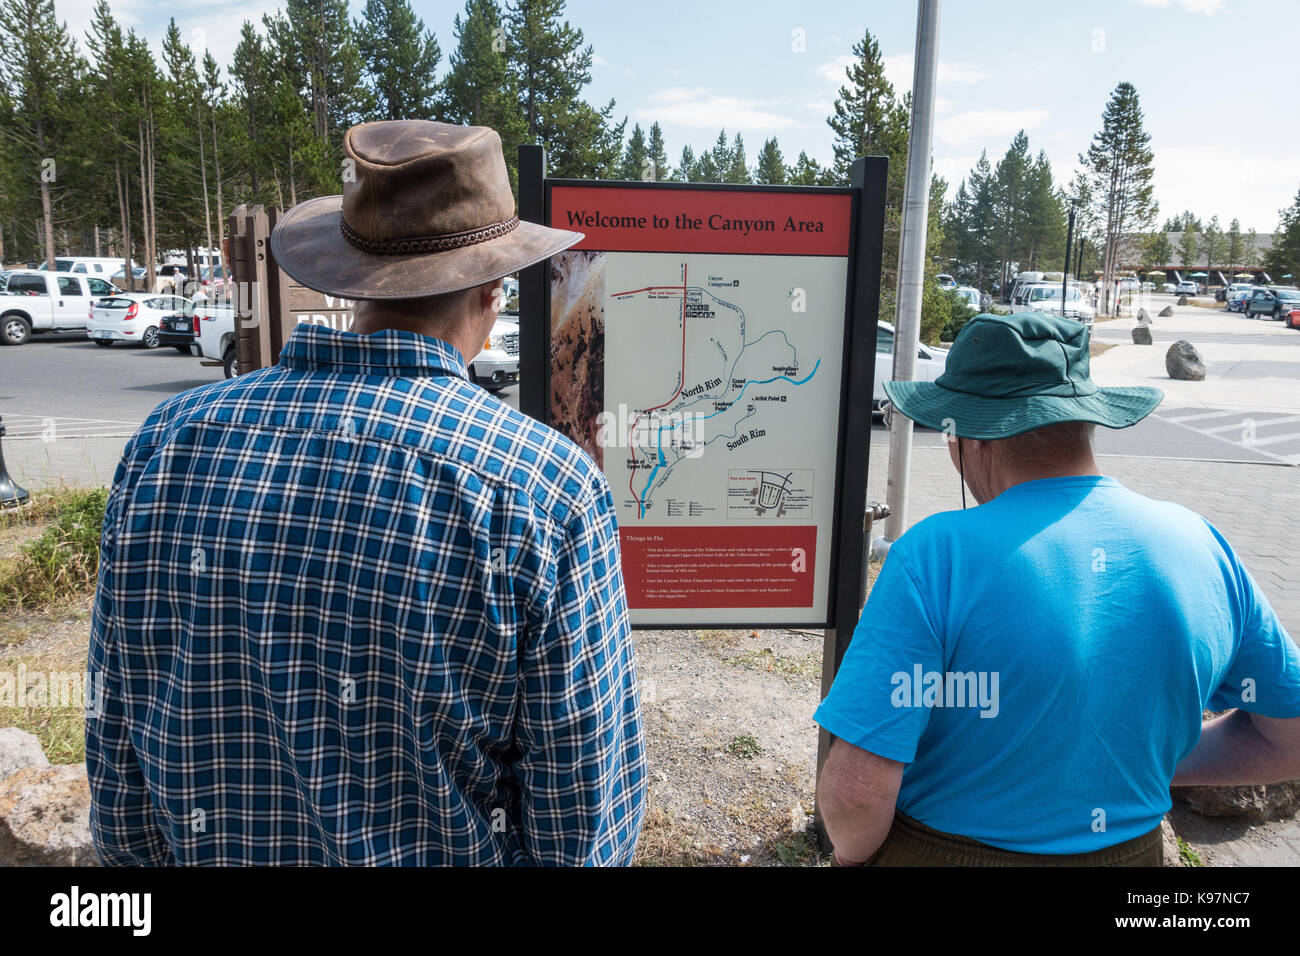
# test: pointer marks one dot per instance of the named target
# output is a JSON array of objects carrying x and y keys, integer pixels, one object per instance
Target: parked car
[
  {"x": 214, "y": 336},
  {"x": 1168, "y": 287},
  {"x": 34, "y": 301},
  {"x": 930, "y": 363},
  {"x": 85, "y": 265},
  {"x": 1148, "y": 287},
  {"x": 1273, "y": 301},
  {"x": 1046, "y": 297},
  {"x": 945, "y": 281},
  {"x": 171, "y": 278},
  {"x": 1186, "y": 287},
  {"x": 1237, "y": 294},
  {"x": 1292, "y": 319},
  {"x": 497, "y": 366},
  {"x": 969, "y": 295},
  {"x": 131, "y": 317},
  {"x": 177, "y": 329},
  {"x": 135, "y": 284}
]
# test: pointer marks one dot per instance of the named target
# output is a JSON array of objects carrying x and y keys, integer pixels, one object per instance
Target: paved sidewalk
[{"x": 1255, "y": 506}]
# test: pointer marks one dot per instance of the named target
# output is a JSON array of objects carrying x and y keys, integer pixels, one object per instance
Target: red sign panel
[
  {"x": 719, "y": 567},
  {"x": 750, "y": 222}
]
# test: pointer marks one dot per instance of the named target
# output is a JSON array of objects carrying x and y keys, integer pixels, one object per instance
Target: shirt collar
[{"x": 389, "y": 352}]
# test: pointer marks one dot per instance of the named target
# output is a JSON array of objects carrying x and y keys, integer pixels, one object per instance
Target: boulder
[
  {"x": 1143, "y": 317},
  {"x": 1142, "y": 335},
  {"x": 1182, "y": 300},
  {"x": 1258, "y": 804},
  {"x": 1183, "y": 362},
  {"x": 1166, "y": 312},
  {"x": 19, "y": 749},
  {"x": 45, "y": 817}
]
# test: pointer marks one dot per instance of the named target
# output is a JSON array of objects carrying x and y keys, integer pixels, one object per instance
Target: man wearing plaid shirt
[{"x": 352, "y": 609}]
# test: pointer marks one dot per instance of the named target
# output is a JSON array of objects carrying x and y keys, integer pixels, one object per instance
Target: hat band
[{"x": 456, "y": 240}]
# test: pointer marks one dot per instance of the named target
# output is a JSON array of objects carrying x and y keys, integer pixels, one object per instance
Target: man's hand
[{"x": 857, "y": 795}]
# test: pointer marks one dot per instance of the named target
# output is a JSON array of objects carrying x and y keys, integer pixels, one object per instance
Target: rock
[
  {"x": 1166, "y": 312},
  {"x": 1172, "y": 856},
  {"x": 19, "y": 749},
  {"x": 1182, "y": 361},
  {"x": 1143, "y": 317},
  {"x": 1182, "y": 300},
  {"x": 45, "y": 817},
  {"x": 1142, "y": 335},
  {"x": 1259, "y": 804}
]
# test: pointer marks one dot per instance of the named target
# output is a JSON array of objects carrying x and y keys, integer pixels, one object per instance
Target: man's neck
[
  {"x": 1010, "y": 477},
  {"x": 463, "y": 340}
]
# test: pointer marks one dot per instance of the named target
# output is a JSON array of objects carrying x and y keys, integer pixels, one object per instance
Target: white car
[
  {"x": 930, "y": 363},
  {"x": 497, "y": 366},
  {"x": 1047, "y": 298},
  {"x": 970, "y": 295},
  {"x": 33, "y": 301},
  {"x": 132, "y": 317}
]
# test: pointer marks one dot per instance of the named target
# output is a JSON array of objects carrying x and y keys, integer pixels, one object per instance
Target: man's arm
[
  {"x": 1242, "y": 748},
  {"x": 582, "y": 767},
  {"x": 857, "y": 795},
  {"x": 122, "y": 820}
]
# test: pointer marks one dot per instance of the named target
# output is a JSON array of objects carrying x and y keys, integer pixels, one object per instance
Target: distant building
[{"x": 1132, "y": 258}]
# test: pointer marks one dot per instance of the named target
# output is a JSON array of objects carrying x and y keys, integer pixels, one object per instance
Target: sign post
[{"x": 712, "y": 347}]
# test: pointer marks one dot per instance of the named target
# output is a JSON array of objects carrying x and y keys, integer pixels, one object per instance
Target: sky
[{"x": 763, "y": 68}]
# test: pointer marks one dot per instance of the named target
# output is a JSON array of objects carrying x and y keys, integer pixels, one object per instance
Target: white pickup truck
[{"x": 35, "y": 301}]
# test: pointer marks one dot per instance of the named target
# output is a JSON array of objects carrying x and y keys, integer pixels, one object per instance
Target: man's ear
[{"x": 492, "y": 296}]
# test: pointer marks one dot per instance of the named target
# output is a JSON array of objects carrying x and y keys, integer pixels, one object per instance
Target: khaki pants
[{"x": 912, "y": 843}]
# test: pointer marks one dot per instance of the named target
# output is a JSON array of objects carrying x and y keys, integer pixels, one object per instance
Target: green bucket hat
[{"x": 1008, "y": 374}]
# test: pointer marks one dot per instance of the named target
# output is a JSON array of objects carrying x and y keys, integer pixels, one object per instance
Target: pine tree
[
  {"x": 658, "y": 154},
  {"x": 401, "y": 58},
  {"x": 39, "y": 68},
  {"x": 479, "y": 89},
  {"x": 1120, "y": 165},
  {"x": 1282, "y": 260},
  {"x": 1233, "y": 247},
  {"x": 1188, "y": 244},
  {"x": 1046, "y": 226},
  {"x": 808, "y": 172},
  {"x": 705, "y": 169},
  {"x": 738, "y": 167},
  {"x": 1012, "y": 213},
  {"x": 685, "y": 171},
  {"x": 254, "y": 88},
  {"x": 770, "y": 167},
  {"x": 1212, "y": 246},
  {"x": 869, "y": 120},
  {"x": 1158, "y": 251},
  {"x": 551, "y": 67},
  {"x": 720, "y": 156},
  {"x": 636, "y": 163}
]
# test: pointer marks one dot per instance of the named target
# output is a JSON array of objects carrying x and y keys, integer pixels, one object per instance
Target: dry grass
[
  {"x": 46, "y": 650},
  {"x": 1097, "y": 348}
]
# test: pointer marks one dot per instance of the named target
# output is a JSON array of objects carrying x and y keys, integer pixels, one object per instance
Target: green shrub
[{"x": 63, "y": 560}]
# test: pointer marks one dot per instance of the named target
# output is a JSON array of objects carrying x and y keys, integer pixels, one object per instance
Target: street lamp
[{"x": 1069, "y": 242}]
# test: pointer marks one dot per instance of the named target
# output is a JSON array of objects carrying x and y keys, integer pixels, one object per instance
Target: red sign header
[{"x": 764, "y": 221}]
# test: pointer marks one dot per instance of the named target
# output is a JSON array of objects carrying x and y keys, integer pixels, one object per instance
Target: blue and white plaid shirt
[{"x": 353, "y": 610}]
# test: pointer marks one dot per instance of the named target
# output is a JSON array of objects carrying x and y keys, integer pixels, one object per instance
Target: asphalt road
[{"x": 62, "y": 386}]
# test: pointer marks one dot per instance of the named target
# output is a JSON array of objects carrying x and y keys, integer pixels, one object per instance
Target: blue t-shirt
[{"x": 1041, "y": 662}]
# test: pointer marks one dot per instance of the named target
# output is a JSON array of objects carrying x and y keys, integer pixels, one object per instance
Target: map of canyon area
[{"x": 721, "y": 388}]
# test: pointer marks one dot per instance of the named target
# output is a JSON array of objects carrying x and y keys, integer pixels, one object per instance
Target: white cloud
[
  {"x": 1207, "y": 7},
  {"x": 899, "y": 69},
  {"x": 942, "y": 105},
  {"x": 697, "y": 107},
  {"x": 991, "y": 125},
  {"x": 1252, "y": 186},
  {"x": 599, "y": 60}
]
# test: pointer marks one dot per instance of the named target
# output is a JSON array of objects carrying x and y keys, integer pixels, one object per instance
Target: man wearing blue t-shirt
[{"x": 1028, "y": 677}]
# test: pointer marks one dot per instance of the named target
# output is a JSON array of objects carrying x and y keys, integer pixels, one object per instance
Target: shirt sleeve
[
  {"x": 122, "y": 821},
  {"x": 1264, "y": 676},
  {"x": 581, "y": 767},
  {"x": 875, "y": 702}
]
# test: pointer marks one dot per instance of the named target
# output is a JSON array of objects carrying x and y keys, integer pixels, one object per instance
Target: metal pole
[
  {"x": 911, "y": 261},
  {"x": 1069, "y": 241}
]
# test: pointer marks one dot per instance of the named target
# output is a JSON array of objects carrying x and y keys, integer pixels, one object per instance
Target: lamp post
[{"x": 1069, "y": 242}]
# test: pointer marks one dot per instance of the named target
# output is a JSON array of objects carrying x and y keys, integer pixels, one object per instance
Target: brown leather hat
[{"x": 426, "y": 209}]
